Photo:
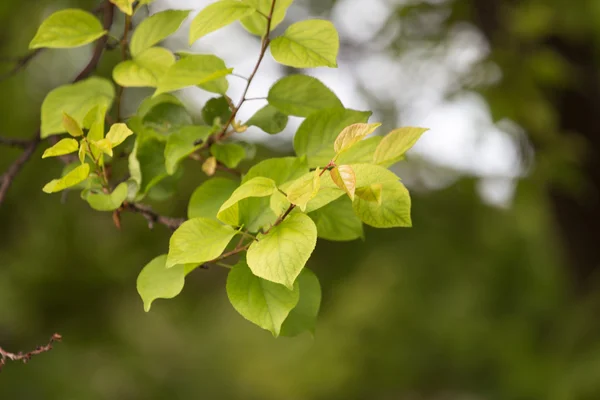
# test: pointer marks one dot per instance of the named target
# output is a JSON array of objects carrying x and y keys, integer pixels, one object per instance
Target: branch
[
  {"x": 14, "y": 142},
  {"x": 152, "y": 217},
  {"x": 25, "y": 357},
  {"x": 33, "y": 143},
  {"x": 21, "y": 63}
]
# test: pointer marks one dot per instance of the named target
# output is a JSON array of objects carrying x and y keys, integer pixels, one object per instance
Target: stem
[
  {"x": 25, "y": 357},
  {"x": 123, "y": 43}
]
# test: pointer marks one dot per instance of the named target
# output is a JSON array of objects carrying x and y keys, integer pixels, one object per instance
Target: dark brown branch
[
  {"x": 17, "y": 165},
  {"x": 25, "y": 357},
  {"x": 152, "y": 217},
  {"x": 15, "y": 142}
]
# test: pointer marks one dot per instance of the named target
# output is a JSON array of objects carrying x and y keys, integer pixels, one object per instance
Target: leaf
[
  {"x": 206, "y": 71},
  {"x": 73, "y": 178},
  {"x": 216, "y": 16},
  {"x": 257, "y": 23},
  {"x": 394, "y": 210},
  {"x": 180, "y": 144},
  {"x": 208, "y": 198},
  {"x": 210, "y": 166},
  {"x": 361, "y": 152},
  {"x": 304, "y": 316},
  {"x": 269, "y": 119},
  {"x": 344, "y": 178},
  {"x": 71, "y": 126},
  {"x": 198, "y": 240},
  {"x": 328, "y": 192},
  {"x": 150, "y": 102},
  {"x": 108, "y": 201},
  {"x": 125, "y": 6},
  {"x": 67, "y": 28},
  {"x": 301, "y": 191},
  {"x": 166, "y": 118},
  {"x": 280, "y": 170},
  {"x": 317, "y": 133},
  {"x": 353, "y": 134},
  {"x": 370, "y": 193},
  {"x": 307, "y": 44},
  {"x": 156, "y": 28},
  {"x": 77, "y": 100},
  {"x": 395, "y": 144},
  {"x": 217, "y": 107},
  {"x": 367, "y": 174},
  {"x": 64, "y": 146},
  {"x": 230, "y": 154},
  {"x": 337, "y": 222},
  {"x": 146, "y": 69},
  {"x": 118, "y": 133},
  {"x": 280, "y": 255},
  {"x": 156, "y": 281},
  {"x": 103, "y": 146},
  {"x": 260, "y": 301},
  {"x": 256, "y": 187},
  {"x": 301, "y": 95},
  {"x": 147, "y": 163}
]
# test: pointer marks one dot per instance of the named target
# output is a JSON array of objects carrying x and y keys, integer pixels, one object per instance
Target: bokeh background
[{"x": 494, "y": 294}]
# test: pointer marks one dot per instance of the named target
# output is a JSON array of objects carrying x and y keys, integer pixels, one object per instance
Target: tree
[{"x": 337, "y": 181}]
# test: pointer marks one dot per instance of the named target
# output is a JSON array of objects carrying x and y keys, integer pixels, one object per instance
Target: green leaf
[
  {"x": 304, "y": 316},
  {"x": 180, "y": 145},
  {"x": 118, "y": 133},
  {"x": 256, "y": 23},
  {"x": 260, "y": 301},
  {"x": 77, "y": 100},
  {"x": 156, "y": 281},
  {"x": 66, "y": 29},
  {"x": 367, "y": 174},
  {"x": 269, "y": 119},
  {"x": 156, "y": 28},
  {"x": 307, "y": 44},
  {"x": 217, "y": 107},
  {"x": 150, "y": 102},
  {"x": 361, "y": 152},
  {"x": 73, "y": 178},
  {"x": 395, "y": 144},
  {"x": 125, "y": 6},
  {"x": 337, "y": 222},
  {"x": 256, "y": 187},
  {"x": 301, "y": 95},
  {"x": 301, "y": 191},
  {"x": 146, "y": 69},
  {"x": 370, "y": 193},
  {"x": 206, "y": 71},
  {"x": 103, "y": 146},
  {"x": 230, "y": 154},
  {"x": 71, "y": 126},
  {"x": 64, "y": 146},
  {"x": 353, "y": 134},
  {"x": 208, "y": 198},
  {"x": 317, "y": 133},
  {"x": 216, "y": 16},
  {"x": 328, "y": 192},
  {"x": 147, "y": 163},
  {"x": 394, "y": 210},
  {"x": 280, "y": 255},
  {"x": 198, "y": 240},
  {"x": 280, "y": 170},
  {"x": 166, "y": 118},
  {"x": 108, "y": 201},
  {"x": 343, "y": 176}
]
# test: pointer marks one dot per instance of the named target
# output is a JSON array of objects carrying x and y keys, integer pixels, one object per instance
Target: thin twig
[
  {"x": 20, "y": 64},
  {"x": 14, "y": 169},
  {"x": 25, "y": 357},
  {"x": 15, "y": 142},
  {"x": 152, "y": 217}
]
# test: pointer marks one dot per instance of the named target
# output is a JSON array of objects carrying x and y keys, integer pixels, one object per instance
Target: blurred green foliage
[{"x": 474, "y": 302}]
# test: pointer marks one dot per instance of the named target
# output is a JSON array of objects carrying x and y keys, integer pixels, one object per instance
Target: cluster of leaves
[{"x": 337, "y": 181}]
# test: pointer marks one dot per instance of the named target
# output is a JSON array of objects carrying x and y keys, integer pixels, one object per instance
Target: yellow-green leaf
[
  {"x": 156, "y": 28},
  {"x": 125, "y": 6},
  {"x": 146, "y": 69},
  {"x": 370, "y": 193},
  {"x": 395, "y": 144},
  {"x": 307, "y": 44},
  {"x": 117, "y": 134},
  {"x": 301, "y": 191},
  {"x": 73, "y": 178},
  {"x": 67, "y": 28},
  {"x": 216, "y": 16},
  {"x": 103, "y": 145},
  {"x": 71, "y": 126},
  {"x": 207, "y": 71},
  {"x": 392, "y": 211},
  {"x": 108, "y": 201},
  {"x": 64, "y": 146},
  {"x": 256, "y": 187},
  {"x": 256, "y": 23},
  {"x": 353, "y": 134},
  {"x": 198, "y": 240},
  {"x": 301, "y": 95},
  {"x": 304, "y": 316},
  {"x": 344, "y": 178}
]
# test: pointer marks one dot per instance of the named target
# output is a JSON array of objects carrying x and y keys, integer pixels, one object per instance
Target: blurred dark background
[{"x": 494, "y": 294}]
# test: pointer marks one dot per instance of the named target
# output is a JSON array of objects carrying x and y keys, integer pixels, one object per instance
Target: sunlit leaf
[
  {"x": 64, "y": 146},
  {"x": 73, "y": 178},
  {"x": 217, "y": 15},
  {"x": 146, "y": 69},
  {"x": 344, "y": 178},
  {"x": 395, "y": 144},
  {"x": 67, "y": 28},
  {"x": 156, "y": 28},
  {"x": 208, "y": 198},
  {"x": 353, "y": 134},
  {"x": 301, "y": 95},
  {"x": 307, "y": 44}
]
